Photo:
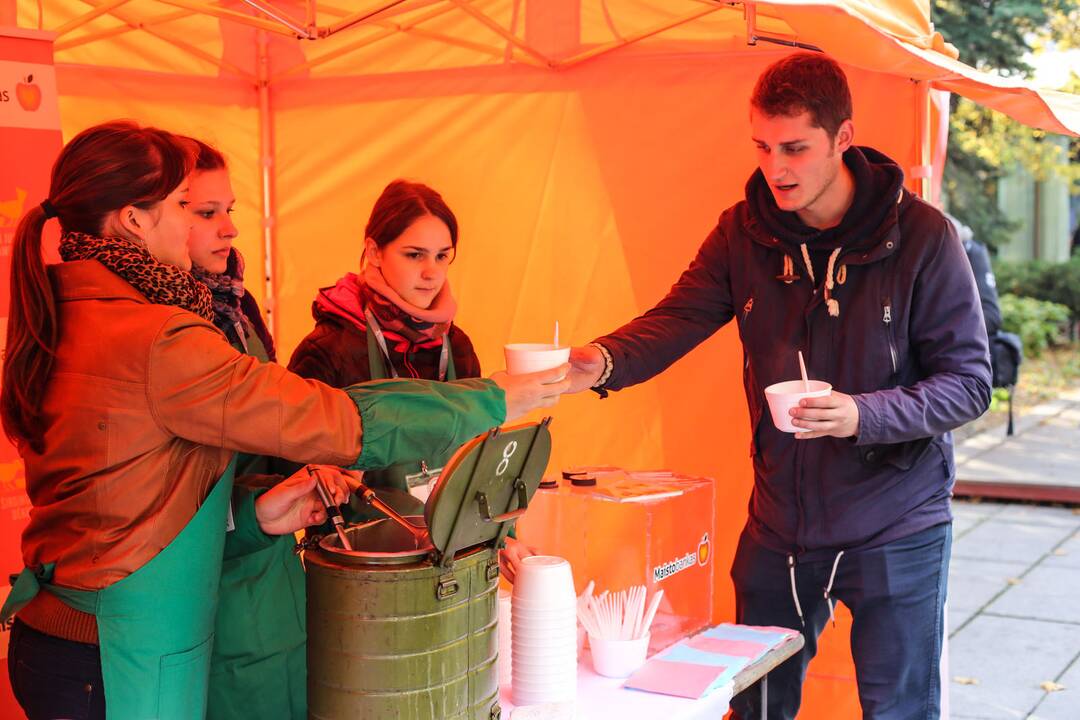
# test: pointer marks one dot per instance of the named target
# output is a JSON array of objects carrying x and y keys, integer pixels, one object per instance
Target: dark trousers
[
  {"x": 896, "y": 594},
  {"x": 54, "y": 678}
]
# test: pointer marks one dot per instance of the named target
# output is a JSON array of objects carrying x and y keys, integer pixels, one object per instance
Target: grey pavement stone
[
  {"x": 1009, "y": 657},
  {"x": 966, "y": 508},
  {"x": 1045, "y": 593},
  {"x": 1040, "y": 515},
  {"x": 1063, "y": 704},
  {"x": 1042, "y": 455},
  {"x": 974, "y": 583},
  {"x": 963, "y": 524},
  {"x": 958, "y": 616},
  {"x": 1009, "y": 541},
  {"x": 1067, "y": 555}
]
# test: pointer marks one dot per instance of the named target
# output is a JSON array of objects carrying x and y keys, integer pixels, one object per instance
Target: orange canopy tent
[{"x": 587, "y": 147}]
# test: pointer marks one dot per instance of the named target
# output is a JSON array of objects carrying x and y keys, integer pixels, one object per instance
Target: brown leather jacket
[{"x": 144, "y": 408}]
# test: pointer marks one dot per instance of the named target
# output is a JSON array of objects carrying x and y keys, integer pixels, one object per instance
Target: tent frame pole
[
  {"x": 123, "y": 29},
  {"x": 334, "y": 54},
  {"x": 275, "y": 14},
  {"x": 495, "y": 52},
  {"x": 922, "y": 138},
  {"x": 467, "y": 7},
  {"x": 219, "y": 12},
  {"x": 266, "y": 163},
  {"x": 361, "y": 43},
  {"x": 356, "y": 18},
  {"x": 76, "y": 23},
  {"x": 606, "y": 48},
  {"x": 179, "y": 44}
]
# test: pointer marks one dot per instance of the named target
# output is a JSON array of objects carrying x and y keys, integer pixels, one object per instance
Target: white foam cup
[
  {"x": 618, "y": 658},
  {"x": 523, "y": 358},
  {"x": 544, "y": 580},
  {"x": 783, "y": 396}
]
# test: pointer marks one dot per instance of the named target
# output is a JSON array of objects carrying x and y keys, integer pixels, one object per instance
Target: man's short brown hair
[{"x": 805, "y": 82}]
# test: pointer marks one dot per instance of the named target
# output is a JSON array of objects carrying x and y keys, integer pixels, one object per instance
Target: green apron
[
  {"x": 400, "y": 476},
  {"x": 258, "y": 668},
  {"x": 155, "y": 627}
]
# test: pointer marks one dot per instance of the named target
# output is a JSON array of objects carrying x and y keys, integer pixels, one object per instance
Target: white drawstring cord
[
  {"x": 828, "y": 589},
  {"x": 794, "y": 592},
  {"x": 789, "y": 269},
  {"x": 830, "y": 302},
  {"x": 809, "y": 265}
]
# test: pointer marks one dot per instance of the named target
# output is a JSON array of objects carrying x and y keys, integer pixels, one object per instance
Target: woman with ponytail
[{"x": 128, "y": 407}]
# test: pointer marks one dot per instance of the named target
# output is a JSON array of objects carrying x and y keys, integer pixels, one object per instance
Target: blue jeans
[
  {"x": 54, "y": 678},
  {"x": 896, "y": 594}
]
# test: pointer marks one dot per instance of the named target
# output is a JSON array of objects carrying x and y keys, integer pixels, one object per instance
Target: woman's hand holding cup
[{"x": 530, "y": 391}]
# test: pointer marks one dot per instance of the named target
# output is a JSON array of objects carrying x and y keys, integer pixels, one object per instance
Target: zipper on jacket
[
  {"x": 747, "y": 307},
  {"x": 886, "y": 317}
]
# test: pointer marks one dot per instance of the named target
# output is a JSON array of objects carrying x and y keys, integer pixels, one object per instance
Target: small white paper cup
[
  {"x": 524, "y": 358},
  {"x": 785, "y": 395},
  {"x": 618, "y": 658}
]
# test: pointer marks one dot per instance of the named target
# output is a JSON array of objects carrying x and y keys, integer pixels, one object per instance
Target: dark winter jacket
[{"x": 908, "y": 345}]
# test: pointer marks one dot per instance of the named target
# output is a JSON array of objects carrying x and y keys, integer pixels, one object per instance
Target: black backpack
[{"x": 1006, "y": 356}]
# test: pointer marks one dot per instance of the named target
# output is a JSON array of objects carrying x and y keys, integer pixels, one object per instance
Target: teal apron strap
[
  {"x": 448, "y": 352},
  {"x": 24, "y": 588}
]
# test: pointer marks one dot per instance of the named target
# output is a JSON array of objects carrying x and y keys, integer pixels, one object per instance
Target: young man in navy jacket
[{"x": 830, "y": 255}]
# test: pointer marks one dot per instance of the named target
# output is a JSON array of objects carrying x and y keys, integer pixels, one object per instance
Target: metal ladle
[
  {"x": 420, "y": 534},
  {"x": 332, "y": 510}
]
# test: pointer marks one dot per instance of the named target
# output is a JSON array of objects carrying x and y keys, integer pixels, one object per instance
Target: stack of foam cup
[
  {"x": 505, "y": 644},
  {"x": 544, "y": 632}
]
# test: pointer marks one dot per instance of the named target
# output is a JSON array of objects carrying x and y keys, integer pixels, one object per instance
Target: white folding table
[{"x": 601, "y": 698}]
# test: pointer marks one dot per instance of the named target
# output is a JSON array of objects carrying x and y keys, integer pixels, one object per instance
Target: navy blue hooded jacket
[{"x": 908, "y": 343}]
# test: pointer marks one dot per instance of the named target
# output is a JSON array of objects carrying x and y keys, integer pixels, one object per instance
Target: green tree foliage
[
  {"x": 1040, "y": 324},
  {"x": 996, "y": 35}
]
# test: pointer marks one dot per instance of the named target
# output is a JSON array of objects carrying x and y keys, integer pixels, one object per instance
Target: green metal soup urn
[{"x": 402, "y": 626}]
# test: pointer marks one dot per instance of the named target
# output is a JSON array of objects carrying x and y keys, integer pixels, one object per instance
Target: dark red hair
[
  {"x": 399, "y": 206},
  {"x": 805, "y": 82},
  {"x": 208, "y": 158},
  {"x": 104, "y": 168}
]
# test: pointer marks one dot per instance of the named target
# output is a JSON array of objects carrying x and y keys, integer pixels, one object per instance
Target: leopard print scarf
[{"x": 161, "y": 284}]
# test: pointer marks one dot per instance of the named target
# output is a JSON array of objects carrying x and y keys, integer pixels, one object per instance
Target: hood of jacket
[
  {"x": 876, "y": 177},
  {"x": 341, "y": 300}
]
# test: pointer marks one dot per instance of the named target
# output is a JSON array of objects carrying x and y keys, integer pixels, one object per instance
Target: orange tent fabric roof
[{"x": 209, "y": 39}]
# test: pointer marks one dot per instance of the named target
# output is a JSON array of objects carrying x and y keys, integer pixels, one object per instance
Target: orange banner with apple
[{"x": 29, "y": 142}]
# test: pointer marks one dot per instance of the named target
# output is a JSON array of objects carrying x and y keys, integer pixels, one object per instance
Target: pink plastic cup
[{"x": 785, "y": 395}]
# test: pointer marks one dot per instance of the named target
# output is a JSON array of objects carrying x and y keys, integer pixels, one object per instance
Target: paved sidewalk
[
  {"x": 1041, "y": 461},
  {"x": 1014, "y": 611}
]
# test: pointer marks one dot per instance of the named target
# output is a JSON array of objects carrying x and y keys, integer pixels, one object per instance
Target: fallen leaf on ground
[
  {"x": 965, "y": 680},
  {"x": 1051, "y": 686},
  {"x": 1060, "y": 552},
  {"x": 1013, "y": 581}
]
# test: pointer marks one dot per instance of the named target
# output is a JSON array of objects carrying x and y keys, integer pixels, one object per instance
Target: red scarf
[{"x": 405, "y": 326}]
